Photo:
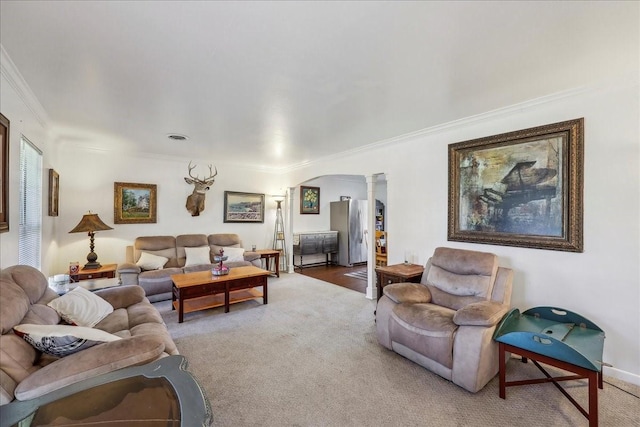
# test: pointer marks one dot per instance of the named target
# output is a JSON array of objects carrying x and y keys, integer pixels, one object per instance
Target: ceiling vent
[{"x": 177, "y": 137}]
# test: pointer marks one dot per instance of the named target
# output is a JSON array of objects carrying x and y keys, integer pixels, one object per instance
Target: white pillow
[
  {"x": 234, "y": 254},
  {"x": 62, "y": 340},
  {"x": 81, "y": 307},
  {"x": 197, "y": 256},
  {"x": 149, "y": 261}
]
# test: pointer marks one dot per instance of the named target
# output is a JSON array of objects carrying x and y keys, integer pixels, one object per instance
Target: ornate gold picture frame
[
  {"x": 522, "y": 188},
  {"x": 54, "y": 192},
  {"x": 4, "y": 174},
  {"x": 134, "y": 203}
]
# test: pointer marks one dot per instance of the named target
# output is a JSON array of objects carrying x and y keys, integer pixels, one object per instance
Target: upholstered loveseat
[
  {"x": 134, "y": 330},
  {"x": 446, "y": 322},
  {"x": 175, "y": 253}
]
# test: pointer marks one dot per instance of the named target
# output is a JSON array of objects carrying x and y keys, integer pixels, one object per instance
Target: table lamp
[{"x": 90, "y": 223}]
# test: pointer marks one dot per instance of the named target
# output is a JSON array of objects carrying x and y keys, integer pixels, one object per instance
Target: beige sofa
[
  {"x": 446, "y": 322},
  {"x": 157, "y": 282},
  {"x": 27, "y": 373}
]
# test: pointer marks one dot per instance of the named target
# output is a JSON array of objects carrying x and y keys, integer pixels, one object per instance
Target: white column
[
  {"x": 372, "y": 290},
  {"x": 289, "y": 229}
]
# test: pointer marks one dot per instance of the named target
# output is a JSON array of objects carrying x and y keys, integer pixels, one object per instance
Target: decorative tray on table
[
  {"x": 220, "y": 269},
  {"x": 554, "y": 332}
]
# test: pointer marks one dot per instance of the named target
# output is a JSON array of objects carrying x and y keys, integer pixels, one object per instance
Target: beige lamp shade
[{"x": 90, "y": 222}]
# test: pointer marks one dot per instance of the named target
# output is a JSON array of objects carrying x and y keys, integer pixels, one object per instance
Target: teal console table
[{"x": 559, "y": 338}]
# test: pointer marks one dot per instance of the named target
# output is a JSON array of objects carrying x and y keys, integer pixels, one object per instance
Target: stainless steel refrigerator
[{"x": 349, "y": 219}]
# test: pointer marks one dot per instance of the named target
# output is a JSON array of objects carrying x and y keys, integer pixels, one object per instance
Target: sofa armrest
[
  {"x": 128, "y": 267},
  {"x": 94, "y": 361},
  {"x": 122, "y": 296},
  {"x": 407, "y": 292},
  {"x": 483, "y": 313},
  {"x": 128, "y": 273}
]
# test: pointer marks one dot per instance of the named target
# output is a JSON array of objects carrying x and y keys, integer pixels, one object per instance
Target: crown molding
[
  {"x": 10, "y": 72},
  {"x": 466, "y": 121}
]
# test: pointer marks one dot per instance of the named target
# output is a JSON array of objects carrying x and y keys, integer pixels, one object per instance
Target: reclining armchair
[{"x": 446, "y": 322}]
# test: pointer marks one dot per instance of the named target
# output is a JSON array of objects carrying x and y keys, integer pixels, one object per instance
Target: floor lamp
[{"x": 279, "y": 242}]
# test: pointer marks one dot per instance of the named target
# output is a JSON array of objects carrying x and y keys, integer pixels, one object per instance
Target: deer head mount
[{"x": 195, "y": 201}]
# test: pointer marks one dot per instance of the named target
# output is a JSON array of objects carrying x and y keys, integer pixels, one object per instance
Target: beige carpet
[{"x": 310, "y": 358}]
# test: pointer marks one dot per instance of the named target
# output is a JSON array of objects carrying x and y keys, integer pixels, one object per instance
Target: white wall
[
  {"x": 331, "y": 188},
  {"x": 27, "y": 118},
  {"x": 87, "y": 183},
  {"x": 603, "y": 283}
]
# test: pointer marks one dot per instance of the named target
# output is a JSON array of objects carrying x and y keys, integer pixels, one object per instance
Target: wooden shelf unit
[
  {"x": 381, "y": 250},
  {"x": 217, "y": 300}
]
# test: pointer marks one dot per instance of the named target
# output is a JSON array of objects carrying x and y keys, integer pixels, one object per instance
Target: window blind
[{"x": 30, "y": 234}]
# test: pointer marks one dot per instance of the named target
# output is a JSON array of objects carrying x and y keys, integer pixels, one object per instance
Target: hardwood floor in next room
[{"x": 336, "y": 274}]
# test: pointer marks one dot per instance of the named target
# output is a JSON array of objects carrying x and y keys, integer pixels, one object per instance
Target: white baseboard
[{"x": 625, "y": 376}]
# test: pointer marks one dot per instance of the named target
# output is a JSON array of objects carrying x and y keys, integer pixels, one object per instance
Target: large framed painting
[
  {"x": 309, "y": 200},
  {"x": 522, "y": 188},
  {"x": 243, "y": 207},
  {"x": 54, "y": 192},
  {"x": 4, "y": 174},
  {"x": 134, "y": 203}
]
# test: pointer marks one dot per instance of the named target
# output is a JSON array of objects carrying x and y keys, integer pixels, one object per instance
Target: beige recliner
[{"x": 446, "y": 322}]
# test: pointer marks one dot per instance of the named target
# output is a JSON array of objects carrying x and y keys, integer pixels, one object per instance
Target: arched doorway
[{"x": 332, "y": 188}]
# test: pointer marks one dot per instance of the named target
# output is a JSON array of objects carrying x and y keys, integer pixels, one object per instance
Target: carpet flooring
[{"x": 311, "y": 358}]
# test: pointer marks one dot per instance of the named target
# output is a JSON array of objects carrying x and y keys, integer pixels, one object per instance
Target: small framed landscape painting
[
  {"x": 521, "y": 188},
  {"x": 134, "y": 203},
  {"x": 309, "y": 200},
  {"x": 243, "y": 207}
]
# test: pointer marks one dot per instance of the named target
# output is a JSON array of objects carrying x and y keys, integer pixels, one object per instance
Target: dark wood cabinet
[{"x": 314, "y": 243}]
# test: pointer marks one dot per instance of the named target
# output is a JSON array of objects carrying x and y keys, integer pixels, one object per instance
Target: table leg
[
  {"x": 600, "y": 385},
  {"x": 277, "y": 265},
  {"x": 264, "y": 290},
  {"x": 593, "y": 399},
  {"x": 226, "y": 298},
  {"x": 180, "y": 307},
  {"x": 502, "y": 370}
]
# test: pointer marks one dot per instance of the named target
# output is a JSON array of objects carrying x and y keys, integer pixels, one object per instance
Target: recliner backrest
[
  {"x": 223, "y": 240},
  {"x": 156, "y": 245},
  {"x": 457, "y": 277},
  {"x": 189, "y": 241}
]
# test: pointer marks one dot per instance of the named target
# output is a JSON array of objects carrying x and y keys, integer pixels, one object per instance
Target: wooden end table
[
  {"x": 397, "y": 273},
  {"x": 267, "y": 255},
  {"x": 201, "y": 290},
  {"x": 106, "y": 271}
]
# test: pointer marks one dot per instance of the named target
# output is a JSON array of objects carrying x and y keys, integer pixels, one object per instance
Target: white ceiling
[{"x": 276, "y": 84}]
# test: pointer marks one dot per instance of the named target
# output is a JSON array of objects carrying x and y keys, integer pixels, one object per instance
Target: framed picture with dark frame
[
  {"x": 134, "y": 203},
  {"x": 54, "y": 192},
  {"x": 4, "y": 174},
  {"x": 522, "y": 188},
  {"x": 309, "y": 200},
  {"x": 243, "y": 207}
]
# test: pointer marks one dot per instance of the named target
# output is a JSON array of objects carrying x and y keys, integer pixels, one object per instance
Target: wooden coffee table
[{"x": 202, "y": 290}]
